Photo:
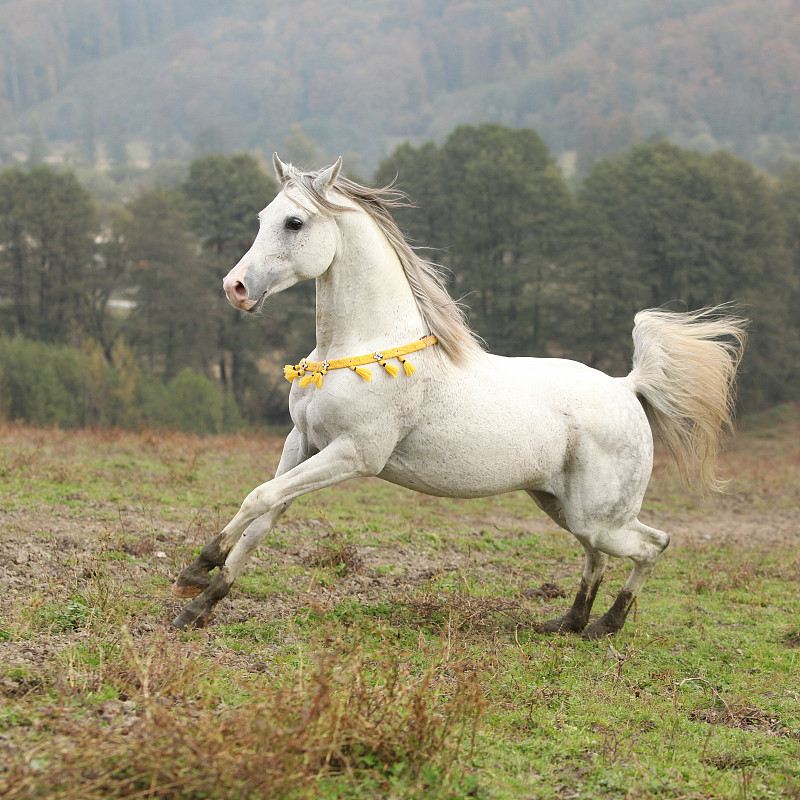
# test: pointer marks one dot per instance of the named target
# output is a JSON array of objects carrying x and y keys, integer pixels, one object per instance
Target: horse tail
[{"x": 684, "y": 372}]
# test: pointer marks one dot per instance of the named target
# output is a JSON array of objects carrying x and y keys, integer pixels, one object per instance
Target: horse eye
[{"x": 293, "y": 224}]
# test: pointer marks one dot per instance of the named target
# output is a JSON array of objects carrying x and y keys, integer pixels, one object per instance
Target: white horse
[{"x": 458, "y": 422}]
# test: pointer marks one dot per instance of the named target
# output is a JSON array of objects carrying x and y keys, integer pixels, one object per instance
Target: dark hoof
[
  {"x": 565, "y": 624},
  {"x": 189, "y": 619},
  {"x": 199, "y": 611},
  {"x": 197, "y": 614},
  {"x": 191, "y": 582},
  {"x": 600, "y": 629},
  {"x": 613, "y": 620}
]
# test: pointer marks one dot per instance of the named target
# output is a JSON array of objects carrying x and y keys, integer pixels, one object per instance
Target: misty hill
[{"x": 362, "y": 75}]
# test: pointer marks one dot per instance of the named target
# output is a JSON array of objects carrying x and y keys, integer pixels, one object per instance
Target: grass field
[{"x": 380, "y": 643}]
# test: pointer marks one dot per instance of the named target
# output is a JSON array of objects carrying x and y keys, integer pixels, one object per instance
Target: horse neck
[{"x": 364, "y": 300}]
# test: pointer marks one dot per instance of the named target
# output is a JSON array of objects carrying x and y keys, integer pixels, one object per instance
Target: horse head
[{"x": 296, "y": 239}]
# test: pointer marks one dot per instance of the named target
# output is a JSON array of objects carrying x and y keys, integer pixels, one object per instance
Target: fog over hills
[{"x": 151, "y": 79}]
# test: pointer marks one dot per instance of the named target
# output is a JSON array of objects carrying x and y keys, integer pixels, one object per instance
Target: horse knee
[{"x": 257, "y": 503}]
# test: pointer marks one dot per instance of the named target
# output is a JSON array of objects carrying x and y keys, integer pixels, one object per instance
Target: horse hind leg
[
  {"x": 576, "y": 619},
  {"x": 643, "y": 545}
]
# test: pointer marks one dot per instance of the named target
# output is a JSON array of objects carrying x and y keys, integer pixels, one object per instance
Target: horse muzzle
[{"x": 236, "y": 290}]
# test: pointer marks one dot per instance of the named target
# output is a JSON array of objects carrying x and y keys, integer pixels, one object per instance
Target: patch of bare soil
[
  {"x": 51, "y": 553},
  {"x": 47, "y": 556},
  {"x": 50, "y": 550},
  {"x": 727, "y": 522},
  {"x": 746, "y": 718}
]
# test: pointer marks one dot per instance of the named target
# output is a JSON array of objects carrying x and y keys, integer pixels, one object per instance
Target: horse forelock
[{"x": 444, "y": 317}]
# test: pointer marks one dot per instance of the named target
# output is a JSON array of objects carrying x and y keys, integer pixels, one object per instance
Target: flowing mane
[{"x": 443, "y": 316}]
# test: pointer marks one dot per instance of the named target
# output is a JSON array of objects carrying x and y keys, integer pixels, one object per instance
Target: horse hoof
[
  {"x": 188, "y": 619},
  {"x": 598, "y": 630},
  {"x": 191, "y": 582},
  {"x": 562, "y": 625}
]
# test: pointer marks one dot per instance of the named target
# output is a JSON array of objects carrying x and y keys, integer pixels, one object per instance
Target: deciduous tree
[
  {"x": 224, "y": 195},
  {"x": 47, "y": 228},
  {"x": 665, "y": 225},
  {"x": 168, "y": 325}
]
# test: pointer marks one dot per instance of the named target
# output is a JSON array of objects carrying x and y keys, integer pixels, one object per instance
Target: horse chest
[
  {"x": 323, "y": 415},
  {"x": 374, "y": 416},
  {"x": 310, "y": 414}
]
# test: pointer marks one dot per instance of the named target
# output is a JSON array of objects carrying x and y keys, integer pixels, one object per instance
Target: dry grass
[
  {"x": 351, "y": 713},
  {"x": 746, "y": 718},
  {"x": 459, "y": 611}
]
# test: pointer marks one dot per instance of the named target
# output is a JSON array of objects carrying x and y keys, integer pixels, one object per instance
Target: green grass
[{"x": 415, "y": 674}]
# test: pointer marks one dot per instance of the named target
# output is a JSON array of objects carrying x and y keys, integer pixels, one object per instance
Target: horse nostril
[{"x": 239, "y": 292}]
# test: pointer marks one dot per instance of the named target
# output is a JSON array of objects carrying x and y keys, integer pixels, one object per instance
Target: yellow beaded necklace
[{"x": 312, "y": 371}]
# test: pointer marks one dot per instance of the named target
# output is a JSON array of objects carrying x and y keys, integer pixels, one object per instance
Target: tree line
[{"x": 544, "y": 269}]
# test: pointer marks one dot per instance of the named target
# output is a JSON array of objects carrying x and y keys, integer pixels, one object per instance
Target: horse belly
[
  {"x": 479, "y": 449},
  {"x": 427, "y": 472}
]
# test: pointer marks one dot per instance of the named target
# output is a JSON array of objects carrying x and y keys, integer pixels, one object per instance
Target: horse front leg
[
  {"x": 199, "y": 611},
  {"x": 338, "y": 462},
  {"x": 195, "y": 578}
]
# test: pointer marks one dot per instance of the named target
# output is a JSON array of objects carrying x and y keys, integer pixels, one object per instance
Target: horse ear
[
  {"x": 328, "y": 176},
  {"x": 280, "y": 168}
]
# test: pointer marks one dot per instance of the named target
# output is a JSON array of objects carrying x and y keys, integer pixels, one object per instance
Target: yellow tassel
[
  {"x": 364, "y": 373},
  {"x": 305, "y": 381},
  {"x": 408, "y": 367},
  {"x": 289, "y": 372},
  {"x": 391, "y": 369},
  {"x": 316, "y": 378}
]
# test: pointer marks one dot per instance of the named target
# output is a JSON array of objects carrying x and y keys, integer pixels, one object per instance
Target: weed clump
[
  {"x": 333, "y": 552},
  {"x": 746, "y": 718}
]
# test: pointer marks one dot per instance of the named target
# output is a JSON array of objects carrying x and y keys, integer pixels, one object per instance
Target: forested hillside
[{"x": 96, "y": 75}]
